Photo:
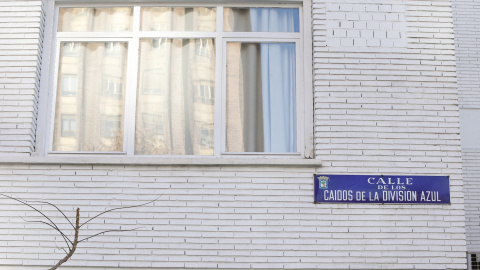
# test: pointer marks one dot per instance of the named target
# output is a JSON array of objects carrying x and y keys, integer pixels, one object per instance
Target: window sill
[{"x": 164, "y": 161}]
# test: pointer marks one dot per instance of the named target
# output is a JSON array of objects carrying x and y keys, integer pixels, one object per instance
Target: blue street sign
[{"x": 396, "y": 189}]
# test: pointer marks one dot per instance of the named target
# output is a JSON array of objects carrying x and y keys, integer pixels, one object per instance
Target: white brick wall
[
  {"x": 467, "y": 35},
  {"x": 230, "y": 217},
  {"x": 379, "y": 24},
  {"x": 393, "y": 111},
  {"x": 21, "y": 30},
  {"x": 471, "y": 168},
  {"x": 388, "y": 108},
  {"x": 467, "y": 32}
]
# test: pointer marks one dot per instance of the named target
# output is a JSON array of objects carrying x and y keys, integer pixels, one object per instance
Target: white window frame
[{"x": 304, "y": 91}]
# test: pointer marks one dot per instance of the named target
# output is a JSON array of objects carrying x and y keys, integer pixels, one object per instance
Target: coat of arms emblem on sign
[{"x": 323, "y": 182}]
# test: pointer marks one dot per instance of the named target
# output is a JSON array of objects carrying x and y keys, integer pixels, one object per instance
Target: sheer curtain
[
  {"x": 278, "y": 96},
  {"x": 173, "y": 115},
  {"x": 278, "y": 78},
  {"x": 261, "y": 99}
]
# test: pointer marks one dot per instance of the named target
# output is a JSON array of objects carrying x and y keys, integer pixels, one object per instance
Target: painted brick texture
[
  {"x": 467, "y": 32},
  {"x": 389, "y": 105},
  {"x": 228, "y": 217},
  {"x": 471, "y": 172},
  {"x": 21, "y": 30},
  {"x": 467, "y": 35},
  {"x": 385, "y": 103}
]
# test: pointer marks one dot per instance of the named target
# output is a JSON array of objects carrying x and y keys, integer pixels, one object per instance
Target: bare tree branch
[
  {"x": 65, "y": 238},
  {"x": 53, "y": 205},
  {"x": 118, "y": 208},
  {"x": 29, "y": 205},
  {"x": 75, "y": 242},
  {"x": 72, "y": 246},
  {"x": 109, "y": 231},
  {"x": 59, "y": 248}
]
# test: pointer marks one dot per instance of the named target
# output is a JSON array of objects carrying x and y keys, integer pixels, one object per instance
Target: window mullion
[
  {"x": 132, "y": 71},
  {"x": 54, "y": 97},
  {"x": 131, "y": 92},
  {"x": 219, "y": 111},
  {"x": 300, "y": 98},
  {"x": 136, "y": 19}
]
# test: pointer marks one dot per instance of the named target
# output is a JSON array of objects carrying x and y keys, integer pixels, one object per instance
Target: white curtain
[
  {"x": 278, "y": 95},
  {"x": 261, "y": 85},
  {"x": 274, "y": 19}
]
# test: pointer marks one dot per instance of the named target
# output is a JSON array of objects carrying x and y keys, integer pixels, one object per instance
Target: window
[
  {"x": 69, "y": 85},
  {"x": 202, "y": 48},
  {"x": 112, "y": 87},
  {"x": 172, "y": 80},
  {"x": 70, "y": 49},
  {"x": 68, "y": 125},
  {"x": 114, "y": 49},
  {"x": 205, "y": 94},
  {"x": 110, "y": 126}
]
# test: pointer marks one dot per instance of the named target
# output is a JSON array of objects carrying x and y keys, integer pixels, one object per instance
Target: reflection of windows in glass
[
  {"x": 80, "y": 11},
  {"x": 70, "y": 49},
  {"x": 153, "y": 124},
  {"x": 68, "y": 125},
  {"x": 206, "y": 137},
  {"x": 69, "y": 85},
  {"x": 112, "y": 88},
  {"x": 153, "y": 83},
  {"x": 98, "y": 91},
  {"x": 178, "y": 19},
  {"x": 100, "y": 19},
  {"x": 205, "y": 94},
  {"x": 159, "y": 43},
  {"x": 113, "y": 49},
  {"x": 202, "y": 47},
  {"x": 110, "y": 126},
  {"x": 177, "y": 75}
]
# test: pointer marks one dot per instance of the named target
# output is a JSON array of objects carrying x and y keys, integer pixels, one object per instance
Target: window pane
[
  {"x": 115, "y": 19},
  {"x": 261, "y": 97},
  {"x": 69, "y": 85},
  {"x": 178, "y": 19},
  {"x": 68, "y": 125},
  {"x": 174, "y": 103},
  {"x": 92, "y": 119},
  {"x": 261, "y": 19}
]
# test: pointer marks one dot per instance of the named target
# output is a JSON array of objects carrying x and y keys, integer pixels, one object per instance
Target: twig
[
  {"x": 109, "y": 231},
  {"x": 72, "y": 246},
  {"x": 118, "y": 208},
  {"x": 61, "y": 212},
  {"x": 75, "y": 242},
  {"x": 65, "y": 238},
  {"x": 29, "y": 205}
]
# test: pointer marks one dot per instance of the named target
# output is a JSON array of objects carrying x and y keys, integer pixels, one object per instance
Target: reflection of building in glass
[
  {"x": 178, "y": 19},
  {"x": 92, "y": 77},
  {"x": 70, "y": 48},
  {"x": 205, "y": 93},
  {"x": 68, "y": 125},
  {"x": 115, "y": 19},
  {"x": 177, "y": 76},
  {"x": 171, "y": 109},
  {"x": 69, "y": 84},
  {"x": 110, "y": 126},
  {"x": 92, "y": 84},
  {"x": 175, "y": 95},
  {"x": 112, "y": 87},
  {"x": 202, "y": 47}
]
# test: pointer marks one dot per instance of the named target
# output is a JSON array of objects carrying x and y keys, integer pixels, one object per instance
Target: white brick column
[{"x": 21, "y": 34}]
